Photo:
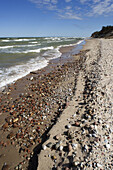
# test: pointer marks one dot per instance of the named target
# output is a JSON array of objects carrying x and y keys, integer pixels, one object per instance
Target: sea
[{"x": 20, "y": 56}]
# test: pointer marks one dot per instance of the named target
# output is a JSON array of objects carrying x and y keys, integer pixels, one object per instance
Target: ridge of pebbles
[{"x": 82, "y": 138}]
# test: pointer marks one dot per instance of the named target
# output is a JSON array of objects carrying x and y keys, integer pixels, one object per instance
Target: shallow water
[{"x": 20, "y": 56}]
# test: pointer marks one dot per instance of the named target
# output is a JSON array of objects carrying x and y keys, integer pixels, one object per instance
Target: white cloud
[
  {"x": 69, "y": 16},
  {"x": 102, "y": 8},
  {"x": 64, "y": 13},
  {"x": 76, "y": 10},
  {"x": 48, "y": 4}
]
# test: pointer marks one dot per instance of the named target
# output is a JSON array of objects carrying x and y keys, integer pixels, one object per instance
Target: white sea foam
[
  {"x": 54, "y": 53},
  {"x": 10, "y": 75},
  {"x": 5, "y": 40},
  {"x": 34, "y": 42},
  {"x": 18, "y": 40},
  {"x": 28, "y": 51},
  {"x": 13, "y": 46},
  {"x": 23, "y": 39},
  {"x": 25, "y": 45},
  {"x": 52, "y": 38},
  {"x": 3, "y": 47},
  {"x": 79, "y": 42}
]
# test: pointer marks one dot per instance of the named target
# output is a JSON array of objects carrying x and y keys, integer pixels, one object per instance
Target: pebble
[
  {"x": 61, "y": 148},
  {"x": 5, "y": 167},
  {"x": 69, "y": 147},
  {"x": 44, "y": 147},
  {"x": 49, "y": 145},
  {"x": 68, "y": 126},
  {"x": 107, "y": 146}
]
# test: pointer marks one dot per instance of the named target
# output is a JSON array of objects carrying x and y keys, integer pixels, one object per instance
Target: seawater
[{"x": 20, "y": 56}]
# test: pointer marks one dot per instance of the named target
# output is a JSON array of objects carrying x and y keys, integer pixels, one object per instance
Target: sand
[
  {"x": 82, "y": 137},
  {"x": 61, "y": 116}
]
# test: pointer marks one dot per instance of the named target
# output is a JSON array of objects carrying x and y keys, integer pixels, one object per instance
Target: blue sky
[{"x": 77, "y": 18}]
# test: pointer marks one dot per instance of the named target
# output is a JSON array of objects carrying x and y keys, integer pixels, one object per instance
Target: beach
[{"x": 60, "y": 117}]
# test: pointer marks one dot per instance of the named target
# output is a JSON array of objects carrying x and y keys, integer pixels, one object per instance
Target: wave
[
  {"x": 11, "y": 40},
  {"x": 38, "y": 50},
  {"x": 13, "y": 46},
  {"x": 34, "y": 42},
  {"x": 79, "y": 42},
  {"x": 51, "y": 54},
  {"x": 13, "y": 73},
  {"x": 52, "y": 38},
  {"x": 10, "y": 75},
  {"x": 29, "y": 51},
  {"x": 4, "y": 47}
]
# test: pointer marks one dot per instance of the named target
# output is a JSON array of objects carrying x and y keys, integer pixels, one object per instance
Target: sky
[{"x": 72, "y": 18}]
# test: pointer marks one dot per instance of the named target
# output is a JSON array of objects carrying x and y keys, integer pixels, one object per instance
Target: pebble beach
[{"x": 60, "y": 117}]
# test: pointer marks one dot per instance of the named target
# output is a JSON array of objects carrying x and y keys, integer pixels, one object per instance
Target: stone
[
  {"x": 15, "y": 120},
  {"x": 49, "y": 145},
  {"x": 5, "y": 126},
  {"x": 5, "y": 167},
  {"x": 77, "y": 123},
  {"x": 61, "y": 148},
  {"x": 107, "y": 146},
  {"x": 44, "y": 147},
  {"x": 69, "y": 147},
  {"x": 68, "y": 126},
  {"x": 31, "y": 78},
  {"x": 57, "y": 137},
  {"x": 10, "y": 135},
  {"x": 57, "y": 145}
]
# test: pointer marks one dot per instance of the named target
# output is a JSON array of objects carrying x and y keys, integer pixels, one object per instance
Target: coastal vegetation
[{"x": 105, "y": 32}]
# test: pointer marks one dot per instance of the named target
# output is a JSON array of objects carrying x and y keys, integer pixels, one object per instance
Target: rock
[
  {"x": 68, "y": 126},
  {"x": 9, "y": 120},
  {"x": 99, "y": 165},
  {"x": 57, "y": 145},
  {"x": 44, "y": 147},
  {"x": 75, "y": 163},
  {"x": 61, "y": 148},
  {"x": 5, "y": 167},
  {"x": 107, "y": 146},
  {"x": 77, "y": 123},
  {"x": 31, "y": 78},
  {"x": 49, "y": 145},
  {"x": 15, "y": 120},
  {"x": 74, "y": 145},
  {"x": 10, "y": 135},
  {"x": 5, "y": 126},
  {"x": 69, "y": 147},
  {"x": 57, "y": 137}
]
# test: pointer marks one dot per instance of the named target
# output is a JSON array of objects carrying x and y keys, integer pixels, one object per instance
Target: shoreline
[
  {"x": 38, "y": 87},
  {"x": 68, "y": 47}
]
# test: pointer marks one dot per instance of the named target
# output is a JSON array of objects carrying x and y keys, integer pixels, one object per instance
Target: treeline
[{"x": 105, "y": 32}]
